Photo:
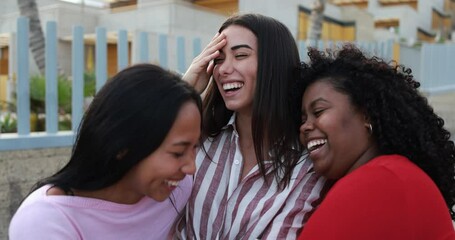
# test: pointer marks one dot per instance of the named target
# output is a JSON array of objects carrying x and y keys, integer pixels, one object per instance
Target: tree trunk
[
  {"x": 316, "y": 20},
  {"x": 29, "y": 8}
]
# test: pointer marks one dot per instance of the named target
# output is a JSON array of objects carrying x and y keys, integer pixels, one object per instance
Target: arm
[{"x": 200, "y": 70}]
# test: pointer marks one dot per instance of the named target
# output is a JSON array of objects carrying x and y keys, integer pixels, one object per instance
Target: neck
[
  {"x": 371, "y": 153},
  {"x": 112, "y": 193},
  {"x": 243, "y": 126}
]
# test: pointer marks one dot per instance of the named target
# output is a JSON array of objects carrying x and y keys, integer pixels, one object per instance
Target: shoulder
[
  {"x": 381, "y": 173},
  {"x": 384, "y": 185},
  {"x": 392, "y": 172},
  {"x": 39, "y": 217},
  {"x": 382, "y": 194},
  {"x": 55, "y": 191}
]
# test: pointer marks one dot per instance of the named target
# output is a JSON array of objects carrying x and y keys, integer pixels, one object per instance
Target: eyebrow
[
  {"x": 320, "y": 99},
  {"x": 183, "y": 143},
  {"x": 240, "y": 46}
]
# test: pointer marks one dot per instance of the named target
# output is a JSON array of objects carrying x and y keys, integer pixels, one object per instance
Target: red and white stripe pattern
[{"x": 223, "y": 206}]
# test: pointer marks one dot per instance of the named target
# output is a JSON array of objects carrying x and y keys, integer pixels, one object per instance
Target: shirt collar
[{"x": 231, "y": 122}]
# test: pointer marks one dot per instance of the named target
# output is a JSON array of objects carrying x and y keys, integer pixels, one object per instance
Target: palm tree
[
  {"x": 316, "y": 20},
  {"x": 29, "y": 8}
]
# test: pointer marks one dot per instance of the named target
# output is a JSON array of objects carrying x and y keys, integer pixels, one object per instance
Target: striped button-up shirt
[{"x": 224, "y": 206}]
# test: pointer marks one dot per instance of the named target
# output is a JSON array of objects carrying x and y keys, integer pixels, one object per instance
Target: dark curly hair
[{"x": 403, "y": 121}]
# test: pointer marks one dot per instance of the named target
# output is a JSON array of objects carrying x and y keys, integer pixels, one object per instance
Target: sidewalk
[{"x": 19, "y": 170}]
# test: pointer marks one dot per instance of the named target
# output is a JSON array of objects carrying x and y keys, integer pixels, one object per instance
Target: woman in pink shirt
[{"x": 127, "y": 177}]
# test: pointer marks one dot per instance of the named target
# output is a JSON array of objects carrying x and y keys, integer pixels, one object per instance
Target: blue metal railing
[{"x": 437, "y": 65}]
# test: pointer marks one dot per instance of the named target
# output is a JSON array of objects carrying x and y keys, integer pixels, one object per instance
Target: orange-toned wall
[
  {"x": 3, "y": 89},
  {"x": 4, "y": 60},
  {"x": 440, "y": 21},
  {"x": 227, "y": 7},
  {"x": 330, "y": 30},
  {"x": 112, "y": 59},
  {"x": 412, "y": 4},
  {"x": 424, "y": 37}
]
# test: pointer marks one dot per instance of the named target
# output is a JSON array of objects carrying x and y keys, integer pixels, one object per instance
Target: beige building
[{"x": 344, "y": 20}]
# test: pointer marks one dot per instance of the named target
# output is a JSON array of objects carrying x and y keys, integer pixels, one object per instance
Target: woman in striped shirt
[{"x": 253, "y": 180}]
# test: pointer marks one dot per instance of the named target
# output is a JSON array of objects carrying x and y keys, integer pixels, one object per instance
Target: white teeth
[
  {"x": 316, "y": 142},
  {"x": 172, "y": 183},
  {"x": 230, "y": 86}
]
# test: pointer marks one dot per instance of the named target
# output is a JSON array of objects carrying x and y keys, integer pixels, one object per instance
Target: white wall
[
  {"x": 165, "y": 16},
  {"x": 410, "y": 18},
  {"x": 287, "y": 12},
  {"x": 406, "y": 15},
  {"x": 172, "y": 17},
  {"x": 364, "y": 22}
]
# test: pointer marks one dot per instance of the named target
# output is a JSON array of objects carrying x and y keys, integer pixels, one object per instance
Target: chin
[
  {"x": 231, "y": 107},
  {"x": 159, "y": 198},
  {"x": 322, "y": 171}
]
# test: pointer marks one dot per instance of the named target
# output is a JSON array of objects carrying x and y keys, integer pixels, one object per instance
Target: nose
[
  {"x": 305, "y": 128},
  {"x": 189, "y": 166},
  {"x": 226, "y": 67}
]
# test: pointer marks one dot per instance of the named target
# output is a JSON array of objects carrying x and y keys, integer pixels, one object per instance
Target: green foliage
[
  {"x": 64, "y": 122},
  {"x": 64, "y": 94},
  {"x": 8, "y": 124},
  {"x": 64, "y": 87},
  {"x": 89, "y": 84},
  {"x": 38, "y": 93}
]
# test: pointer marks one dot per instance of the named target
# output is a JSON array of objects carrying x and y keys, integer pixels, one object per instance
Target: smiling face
[
  {"x": 334, "y": 131},
  {"x": 236, "y": 69},
  {"x": 159, "y": 174}
]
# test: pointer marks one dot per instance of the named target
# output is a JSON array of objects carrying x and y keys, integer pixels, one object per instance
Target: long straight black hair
[
  {"x": 275, "y": 118},
  {"x": 128, "y": 120}
]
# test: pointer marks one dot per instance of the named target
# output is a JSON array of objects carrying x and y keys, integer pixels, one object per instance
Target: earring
[{"x": 370, "y": 128}]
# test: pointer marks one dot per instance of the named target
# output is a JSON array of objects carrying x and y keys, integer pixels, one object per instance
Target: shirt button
[{"x": 236, "y": 162}]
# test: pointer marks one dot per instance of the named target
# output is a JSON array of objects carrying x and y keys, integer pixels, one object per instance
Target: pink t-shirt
[{"x": 71, "y": 217}]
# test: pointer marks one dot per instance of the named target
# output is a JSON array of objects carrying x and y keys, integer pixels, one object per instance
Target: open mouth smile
[
  {"x": 232, "y": 86},
  {"x": 313, "y": 145}
]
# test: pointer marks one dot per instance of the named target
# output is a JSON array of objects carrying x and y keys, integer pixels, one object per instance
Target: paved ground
[{"x": 19, "y": 170}]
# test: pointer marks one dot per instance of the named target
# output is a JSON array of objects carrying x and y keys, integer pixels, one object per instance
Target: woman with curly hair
[{"x": 367, "y": 127}]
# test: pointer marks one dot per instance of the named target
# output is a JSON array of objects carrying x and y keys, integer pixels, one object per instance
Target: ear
[
  {"x": 369, "y": 127},
  {"x": 368, "y": 124}
]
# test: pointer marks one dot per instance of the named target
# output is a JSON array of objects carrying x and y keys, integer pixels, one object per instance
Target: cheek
[
  {"x": 302, "y": 138},
  {"x": 252, "y": 73},
  {"x": 216, "y": 72},
  {"x": 143, "y": 174},
  {"x": 148, "y": 169}
]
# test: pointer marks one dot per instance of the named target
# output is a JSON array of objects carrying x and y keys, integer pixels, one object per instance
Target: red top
[{"x": 387, "y": 198}]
